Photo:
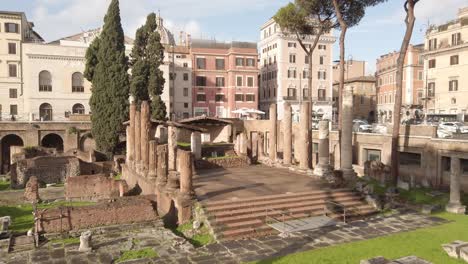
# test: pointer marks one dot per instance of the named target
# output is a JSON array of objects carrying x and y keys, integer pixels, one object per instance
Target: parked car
[
  {"x": 454, "y": 127},
  {"x": 442, "y": 133},
  {"x": 361, "y": 126}
]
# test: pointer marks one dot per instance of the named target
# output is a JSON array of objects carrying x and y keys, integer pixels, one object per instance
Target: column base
[
  {"x": 349, "y": 174},
  {"x": 455, "y": 208},
  {"x": 321, "y": 170}
]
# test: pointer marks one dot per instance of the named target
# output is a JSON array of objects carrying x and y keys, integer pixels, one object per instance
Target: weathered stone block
[
  {"x": 453, "y": 249},
  {"x": 376, "y": 260},
  {"x": 464, "y": 253},
  {"x": 31, "y": 192}
]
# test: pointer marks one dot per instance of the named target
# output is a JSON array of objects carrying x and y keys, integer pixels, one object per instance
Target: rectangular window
[
  {"x": 432, "y": 44},
  {"x": 420, "y": 75},
  {"x": 186, "y": 77},
  {"x": 291, "y": 44},
  {"x": 410, "y": 159},
  {"x": 13, "y": 93},
  {"x": 219, "y": 97},
  {"x": 75, "y": 89},
  {"x": 11, "y": 48},
  {"x": 251, "y": 62},
  {"x": 454, "y": 60},
  {"x": 250, "y": 81},
  {"x": 292, "y": 58},
  {"x": 201, "y": 63},
  {"x": 185, "y": 92},
  {"x": 431, "y": 89},
  {"x": 239, "y": 98},
  {"x": 306, "y": 59},
  {"x": 13, "y": 109},
  {"x": 219, "y": 64},
  {"x": 12, "y": 70},
  {"x": 322, "y": 59},
  {"x": 185, "y": 105},
  {"x": 201, "y": 80},
  {"x": 322, "y": 47},
  {"x": 292, "y": 93},
  {"x": 432, "y": 64},
  {"x": 201, "y": 97},
  {"x": 185, "y": 65},
  {"x": 250, "y": 97},
  {"x": 239, "y": 80},
  {"x": 453, "y": 85},
  {"x": 322, "y": 93},
  {"x": 456, "y": 39},
  {"x": 11, "y": 28},
  {"x": 322, "y": 75},
  {"x": 373, "y": 154},
  {"x": 219, "y": 81},
  {"x": 239, "y": 61},
  {"x": 292, "y": 73}
]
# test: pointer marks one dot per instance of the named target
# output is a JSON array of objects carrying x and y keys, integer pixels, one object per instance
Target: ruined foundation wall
[{"x": 94, "y": 187}]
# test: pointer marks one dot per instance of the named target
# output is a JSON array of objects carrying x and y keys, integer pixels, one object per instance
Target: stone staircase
[
  {"x": 243, "y": 218},
  {"x": 21, "y": 243}
]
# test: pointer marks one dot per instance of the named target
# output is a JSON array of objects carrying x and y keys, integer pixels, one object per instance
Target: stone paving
[{"x": 111, "y": 241}]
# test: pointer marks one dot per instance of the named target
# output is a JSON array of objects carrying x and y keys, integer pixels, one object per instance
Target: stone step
[
  {"x": 235, "y": 205},
  {"x": 270, "y": 197},
  {"x": 282, "y": 206}
]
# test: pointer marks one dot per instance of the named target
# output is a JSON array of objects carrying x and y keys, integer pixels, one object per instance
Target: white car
[
  {"x": 454, "y": 127},
  {"x": 442, "y": 133},
  {"x": 361, "y": 126}
]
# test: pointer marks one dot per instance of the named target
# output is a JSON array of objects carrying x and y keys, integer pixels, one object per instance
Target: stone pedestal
[
  {"x": 186, "y": 173},
  {"x": 131, "y": 135},
  {"x": 144, "y": 138},
  {"x": 161, "y": 165},
  {"x": 195, "y": 144},
  {"x": 272, "y": 138},
  {"x": 85, "y": 241},
  {"x": 304, "y": 138},
  {"x": 137, "y": 141},
  {"x": 347, "y": 134},
  {"x": 172, "y": 147},
  {"x": 454, "y": 205},
  {"x": 153, "y": 159},
  {"x": 287, "y": 134},
  {"x": 323, "y": 167}
]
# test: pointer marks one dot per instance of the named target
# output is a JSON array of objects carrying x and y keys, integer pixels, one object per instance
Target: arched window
[
  {"x": 77, "y": 82},
  {"x": 78, "y": 109},
  {"x": 45, "y": 112},
  {"x": 45, "y": 81}
]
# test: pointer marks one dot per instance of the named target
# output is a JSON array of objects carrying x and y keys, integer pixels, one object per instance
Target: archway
[
  {"x": 78, "y": 109},
  {"x": 87, "y": 143},
  {"x": 53, "y": 141},
  {"x": 45, "y": 112},
  {"x": 6, "y": 143}
]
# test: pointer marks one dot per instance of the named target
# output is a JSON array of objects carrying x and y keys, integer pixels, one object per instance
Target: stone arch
[
  {"x": 78, "y": 109},
  {"x": 45, "y": 112},
  {"x": 52, "y": 140},
  {"x": 6, "y": 143},
  {"x": 45, "y": 81}
]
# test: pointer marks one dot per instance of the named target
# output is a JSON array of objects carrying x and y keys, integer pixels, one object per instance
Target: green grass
[
  {"x": 420, "y": 196},
  {"x": 222, "y": 157},
  {"x": 183, "y": 144},
  {"x": 66, "y": 241},
  {"x": 118, "y": 176},
  {"x": 137, "y": 254},
  {"x": 4, "y": 185},
  {"x": 424, "y": 243},
  {"x": 202, "y": 238},
  {"x": 22, "y": 218}
]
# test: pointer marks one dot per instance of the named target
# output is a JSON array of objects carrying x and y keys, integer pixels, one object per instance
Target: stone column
[
  {"x": 304, "y": 139},
  {"x": 454, "y": 205},
  {"x": 195, "y": 144},
  {"x": 243, "y": 143},
  {"x": 287, "y": 134},
  {"x": 152, "y": 163},
  {"x": 172, "y": 147},
  {"x": 131, "y": 135},
  {"x": 323, "y": 165},
  {"x": 161, "y": 165},
  {"x": 261, "y": 145},
  {"x": 347, "y": 134},
  {"x": 273, "y": 137},
  {"x": 144, "y": 119},
  {"x": 186, "y": 174},
  {"x": 137, "y": 147},
  {"x": 127, "y": 145}
]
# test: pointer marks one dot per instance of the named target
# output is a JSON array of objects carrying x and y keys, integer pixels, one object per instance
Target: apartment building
[
  {"x": 413, "y": 82},
  {"x": 225, "y": 77},
  {"x": 284, "y": 69},
  {"x": 446, "y": 66},
  {"x": 15, "y": 29},
  {"x": 353, "y": 69}
]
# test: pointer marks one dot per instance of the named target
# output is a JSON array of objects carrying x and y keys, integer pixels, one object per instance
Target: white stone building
[{"x": 284, "y": 71}]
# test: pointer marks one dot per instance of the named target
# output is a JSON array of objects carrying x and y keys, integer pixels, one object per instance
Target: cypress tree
[
  {"x": 91, "y": 59},
  {"x": 156, "y": 79},
  {"x": 109, "y": 99}
]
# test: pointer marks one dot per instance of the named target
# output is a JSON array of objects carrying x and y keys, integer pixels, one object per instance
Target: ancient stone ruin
[{"x": 31, "y": 191}]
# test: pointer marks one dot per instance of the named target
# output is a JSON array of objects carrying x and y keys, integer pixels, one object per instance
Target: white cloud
[{"x": 59, "y": 18}]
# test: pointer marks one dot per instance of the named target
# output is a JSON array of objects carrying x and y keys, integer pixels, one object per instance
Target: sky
[{"x": 379, "y": 32}]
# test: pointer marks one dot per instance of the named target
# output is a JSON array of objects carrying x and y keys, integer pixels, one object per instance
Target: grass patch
[
  {"x": 4, "y": 185},
  {"x": 118, "y": 176},
  {"x": 424, "y": 243},
  {"x": 420, "y": 196},
  {"x": 222, "y": 157},
  {"x": 22, "y": 217},
  {"x": 183, "y": 144},
  {"x": 66, "y": 241},
  {"x": 201, "y": 238},
  {"x": 137, "y": 254}
]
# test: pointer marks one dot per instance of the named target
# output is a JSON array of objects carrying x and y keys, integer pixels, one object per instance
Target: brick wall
[
  {"x": 123, "y": 210},
  {"x": 94, "y": 187}
]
